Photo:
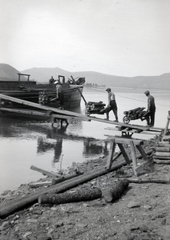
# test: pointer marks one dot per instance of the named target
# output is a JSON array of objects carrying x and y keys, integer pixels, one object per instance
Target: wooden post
[
  {"x": 167, "y": 124},
  {"x": 124, "y": 153},
  {"x": 79, "y": 91},
  {"x": 133, "y": 153},
  {"x": 110, "y": 157}
]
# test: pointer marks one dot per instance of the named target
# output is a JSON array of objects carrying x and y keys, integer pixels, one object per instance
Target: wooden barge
[{"x": 30, "y": 90}]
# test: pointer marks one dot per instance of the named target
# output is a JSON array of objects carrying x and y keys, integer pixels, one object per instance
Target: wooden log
[
  {"x": 17, "y": 204},
  {"x": 161, "y": 157},
  {"x": 163, "y": 154},
  {"x": 44, "y": 172},
  {"x": 148, "y": 180},
  {"x": 161, "y": 161},
  {"x": 113, "y": 193},
  {"x": 39, "y": 184},
  {"x": 84, "y": 194},
  {"x": 162, "y": 149},
  {"x": 65, "y": 177},
  {"x": 163, "y": 144}
]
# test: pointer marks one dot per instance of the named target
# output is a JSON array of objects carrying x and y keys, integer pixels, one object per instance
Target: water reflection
[
  {"x": 43, "y": 145},
  {"x": 92, "y": 147}
]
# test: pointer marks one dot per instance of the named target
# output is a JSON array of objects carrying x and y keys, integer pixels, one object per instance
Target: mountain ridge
[{"x": 42, "y": 75}]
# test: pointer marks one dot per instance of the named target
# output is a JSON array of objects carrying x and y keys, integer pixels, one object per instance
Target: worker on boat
[
  {"x": 59, "y": 91},
  {"x": 151, "y": 109},
  {"x": 51, "y": 80},
  {"x": 112, "y": 105}
]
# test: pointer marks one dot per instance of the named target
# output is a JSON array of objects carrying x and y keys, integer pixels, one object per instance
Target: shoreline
[{"x": 142, "y": 212}]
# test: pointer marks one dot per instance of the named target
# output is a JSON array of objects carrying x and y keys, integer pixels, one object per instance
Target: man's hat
[
  {"x": 147, "y": 92},
  {"x": 108, "y": 89}
]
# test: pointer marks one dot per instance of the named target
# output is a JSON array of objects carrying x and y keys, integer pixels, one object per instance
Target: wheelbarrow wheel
[{"x": 126, "y": 119}]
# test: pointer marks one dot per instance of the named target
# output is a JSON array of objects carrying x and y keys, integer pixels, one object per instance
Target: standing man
[
  {"x": 59, "y": 91},
  {"x": 151, "y": 109},
  {"x": 111, "y": 104}
]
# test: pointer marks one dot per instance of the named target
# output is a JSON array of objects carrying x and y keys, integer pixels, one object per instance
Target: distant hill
[
  {"x": 8, "y": 73},
  {"x": 42, "y": 75}
]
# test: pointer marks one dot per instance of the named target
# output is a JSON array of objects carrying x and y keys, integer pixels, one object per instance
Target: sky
[{"x": 117, "y": 37}]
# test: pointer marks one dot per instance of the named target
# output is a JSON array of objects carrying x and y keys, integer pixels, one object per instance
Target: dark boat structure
[{"x": 30, "y": 90}]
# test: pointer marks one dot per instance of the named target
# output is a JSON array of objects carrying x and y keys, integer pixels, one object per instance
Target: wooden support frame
[{"x": 132, "y": 144}]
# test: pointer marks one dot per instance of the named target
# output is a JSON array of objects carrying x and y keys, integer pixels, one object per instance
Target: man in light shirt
[{"x": 112, "y": 105}]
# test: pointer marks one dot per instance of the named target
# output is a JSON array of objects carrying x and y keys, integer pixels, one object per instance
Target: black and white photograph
[{"x": 84, "y": 120}]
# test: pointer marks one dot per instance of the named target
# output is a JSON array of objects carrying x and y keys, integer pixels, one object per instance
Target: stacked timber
[{"x": 162, "y": 153}]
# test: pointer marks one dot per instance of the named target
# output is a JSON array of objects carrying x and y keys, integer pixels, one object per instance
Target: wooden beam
[
  {"x": 142, "y": 152},
  {"x": 124, "y": 153},
  {"x": 111, "y": 153},
  {"x": 133, "y": 154}
]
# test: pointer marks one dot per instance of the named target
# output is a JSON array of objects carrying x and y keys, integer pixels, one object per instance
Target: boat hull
[{"x": 30, "y": 91}]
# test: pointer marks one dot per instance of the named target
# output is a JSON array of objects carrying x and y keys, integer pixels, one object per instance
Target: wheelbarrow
[
  {"x": 95, "y": 108},
  {"x": 134, "y": 114}
]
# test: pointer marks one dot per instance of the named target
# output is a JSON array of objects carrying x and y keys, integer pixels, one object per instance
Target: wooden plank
[
  {"x": 25, "y": 111},
  {"x": 42, "y": 107},
  {"x": 65, "y": 112},
  {"x": 44, "y": 172},
  {"x": 124, "y": 140}
]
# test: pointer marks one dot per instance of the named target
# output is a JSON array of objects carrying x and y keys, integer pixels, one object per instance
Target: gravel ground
[{"x": 141, "y": 213}]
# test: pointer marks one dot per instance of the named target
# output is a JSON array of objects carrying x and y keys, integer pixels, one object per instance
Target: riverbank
[{"x": 142, "y": 212}]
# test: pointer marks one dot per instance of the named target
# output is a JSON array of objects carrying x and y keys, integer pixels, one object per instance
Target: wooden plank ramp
[{"x": 67, "y": 113}]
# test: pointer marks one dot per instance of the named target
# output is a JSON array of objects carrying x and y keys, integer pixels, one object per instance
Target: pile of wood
[{"x": 162, "y": 153}]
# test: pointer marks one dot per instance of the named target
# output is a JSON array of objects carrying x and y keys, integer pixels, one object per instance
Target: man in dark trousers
[
  {"x": 112, "y": 105},
  {"x": 151, "y": 109}
]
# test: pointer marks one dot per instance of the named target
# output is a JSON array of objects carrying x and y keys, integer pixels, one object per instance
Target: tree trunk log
[
  {"x": 39, "y": 184},
  {"x": 84, "y": 194},
  {"x": 148, "y": 180},
  {"x": 162, "y": 149},
  {"x": 163, "y": 144},
  {"x": 161, "y": 161},
  {"x": 161, "y": 157},
  {"x": 17, "y": 204},
  {"x": 162, "y": 154},
  {"x": 115, "y": 191}
]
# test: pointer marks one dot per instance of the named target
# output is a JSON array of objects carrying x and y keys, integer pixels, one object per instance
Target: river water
[{"x": 25, "y": 143}]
